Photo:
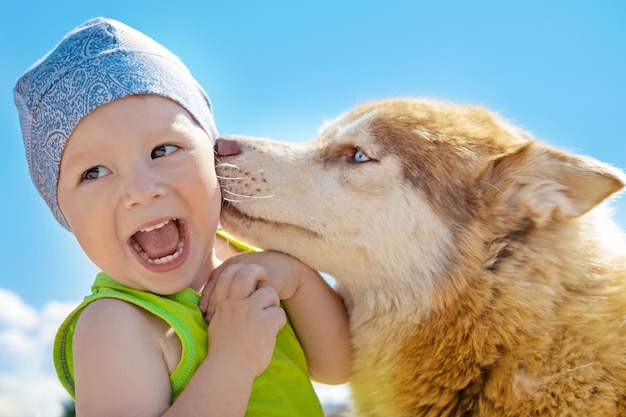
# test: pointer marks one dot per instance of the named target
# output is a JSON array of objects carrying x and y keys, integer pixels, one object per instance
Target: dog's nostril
[{"x": 227, "y": 147}]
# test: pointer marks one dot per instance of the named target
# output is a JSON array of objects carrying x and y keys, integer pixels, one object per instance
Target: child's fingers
[
  {"x": 277, "y": 316},
  {"x": 206, "y": 292},
  {"x": 246, "y": 279},
  {"x": 234, "y": 282},
  {"x": 218, "y": 286},
  {"x": 265, "y": 297}
]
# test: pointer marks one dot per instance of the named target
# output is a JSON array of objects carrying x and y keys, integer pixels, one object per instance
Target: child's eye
[
  {"x": 359, "y": 156},
  {"x": 163, "y": 150},
  {"x": 95, "y": 173}
]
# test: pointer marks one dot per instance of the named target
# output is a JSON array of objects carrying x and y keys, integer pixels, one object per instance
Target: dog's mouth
[
  {"x": 230, "y": 210},
  {"x": 232, "y": 213},
  {"x": 161, "y": 243}
]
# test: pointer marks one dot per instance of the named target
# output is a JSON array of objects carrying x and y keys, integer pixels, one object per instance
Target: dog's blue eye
[{"x": 359, "y": 156}]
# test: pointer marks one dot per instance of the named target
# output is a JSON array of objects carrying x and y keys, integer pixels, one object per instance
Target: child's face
[{"x": 133, "y": 164}]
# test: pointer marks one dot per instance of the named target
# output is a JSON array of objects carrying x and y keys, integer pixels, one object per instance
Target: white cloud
[
  {"x": 28, "y": 383},
  {"x": 14, "y": 312},
  {"x": 31, "y": 395},
  {"x": 334, "y": 398}
]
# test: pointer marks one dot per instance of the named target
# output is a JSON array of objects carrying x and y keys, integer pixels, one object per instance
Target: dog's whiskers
[
  {"x": 220, "y": 177},
  {"x": 232, "y": 200},
  {"x": 249, "y": 197}
]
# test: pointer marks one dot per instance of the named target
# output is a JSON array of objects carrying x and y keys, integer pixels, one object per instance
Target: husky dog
[{"x": 482, "y": 274}]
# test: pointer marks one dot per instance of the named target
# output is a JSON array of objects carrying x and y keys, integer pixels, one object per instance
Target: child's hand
[
  {"x": 282, "y": 272},
  {"x": 316, "y": 311},
  {"x": 246, "y": 317}
]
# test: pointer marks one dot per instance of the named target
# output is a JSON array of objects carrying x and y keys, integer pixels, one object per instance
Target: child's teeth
[
  {"x": 156, "y": 226},
  {"x": 165, "y": 259}
]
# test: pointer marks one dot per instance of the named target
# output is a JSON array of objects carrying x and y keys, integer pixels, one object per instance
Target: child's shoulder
[
  {"x": 120, "y": 351},
  {"x": 111, "y": 312},
  {"x": 108, "y": 325},
  {"x": 113, "y": 321}
]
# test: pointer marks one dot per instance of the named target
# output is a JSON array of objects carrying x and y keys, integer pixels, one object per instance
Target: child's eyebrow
[
  {"x": 182, "y": 125},
  {"x": 75, "y": 160}
]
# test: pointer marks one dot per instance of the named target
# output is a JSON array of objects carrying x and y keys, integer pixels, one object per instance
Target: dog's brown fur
[{"x": 481, "y": 275}]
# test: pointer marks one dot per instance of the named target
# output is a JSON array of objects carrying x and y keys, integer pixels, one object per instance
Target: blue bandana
[{"x": 99, "y": 61}]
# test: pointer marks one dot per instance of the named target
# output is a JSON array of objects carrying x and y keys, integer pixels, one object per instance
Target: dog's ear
[{"x": 552, "y": 184}]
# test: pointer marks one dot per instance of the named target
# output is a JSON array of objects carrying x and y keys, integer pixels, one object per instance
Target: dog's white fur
[{"x": 481, "y": 273}]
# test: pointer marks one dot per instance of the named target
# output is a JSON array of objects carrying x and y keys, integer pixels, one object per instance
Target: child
[{"x": 118, "y": 138}]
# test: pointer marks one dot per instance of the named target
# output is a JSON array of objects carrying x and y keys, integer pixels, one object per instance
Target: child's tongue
[{"x": 159, "y": 242}]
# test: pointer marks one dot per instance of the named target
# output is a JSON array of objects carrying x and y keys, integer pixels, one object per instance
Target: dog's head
[{"x": 398, "y": 188}]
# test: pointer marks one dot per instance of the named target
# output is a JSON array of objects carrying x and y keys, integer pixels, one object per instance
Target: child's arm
[
  {"x": 316, "y": 311},
  {"x": 121, "y": 355}
]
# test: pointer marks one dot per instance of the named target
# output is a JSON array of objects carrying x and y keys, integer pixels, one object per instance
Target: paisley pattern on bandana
[{"x": 100, "y": 61}]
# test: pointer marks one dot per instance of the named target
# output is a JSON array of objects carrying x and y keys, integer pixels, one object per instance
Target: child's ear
[{"x": 551, "y": 184}]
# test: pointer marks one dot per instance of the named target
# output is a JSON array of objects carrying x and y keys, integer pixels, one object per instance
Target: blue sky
[{"x": 278, "y": 69}]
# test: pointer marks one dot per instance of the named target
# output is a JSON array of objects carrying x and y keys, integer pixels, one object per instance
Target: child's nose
[
  {"x": 225, "y": 146},
  {"x": 142, "y": 187}
]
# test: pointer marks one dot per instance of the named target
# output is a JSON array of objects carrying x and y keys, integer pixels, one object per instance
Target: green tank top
[{"x": 283, "y": 389}]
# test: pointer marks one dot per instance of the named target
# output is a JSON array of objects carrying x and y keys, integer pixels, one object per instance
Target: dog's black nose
[{"x": 227, "y": 147}]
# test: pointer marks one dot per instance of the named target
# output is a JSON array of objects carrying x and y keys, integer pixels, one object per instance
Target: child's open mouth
[{"x": 161, "y": 243}]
